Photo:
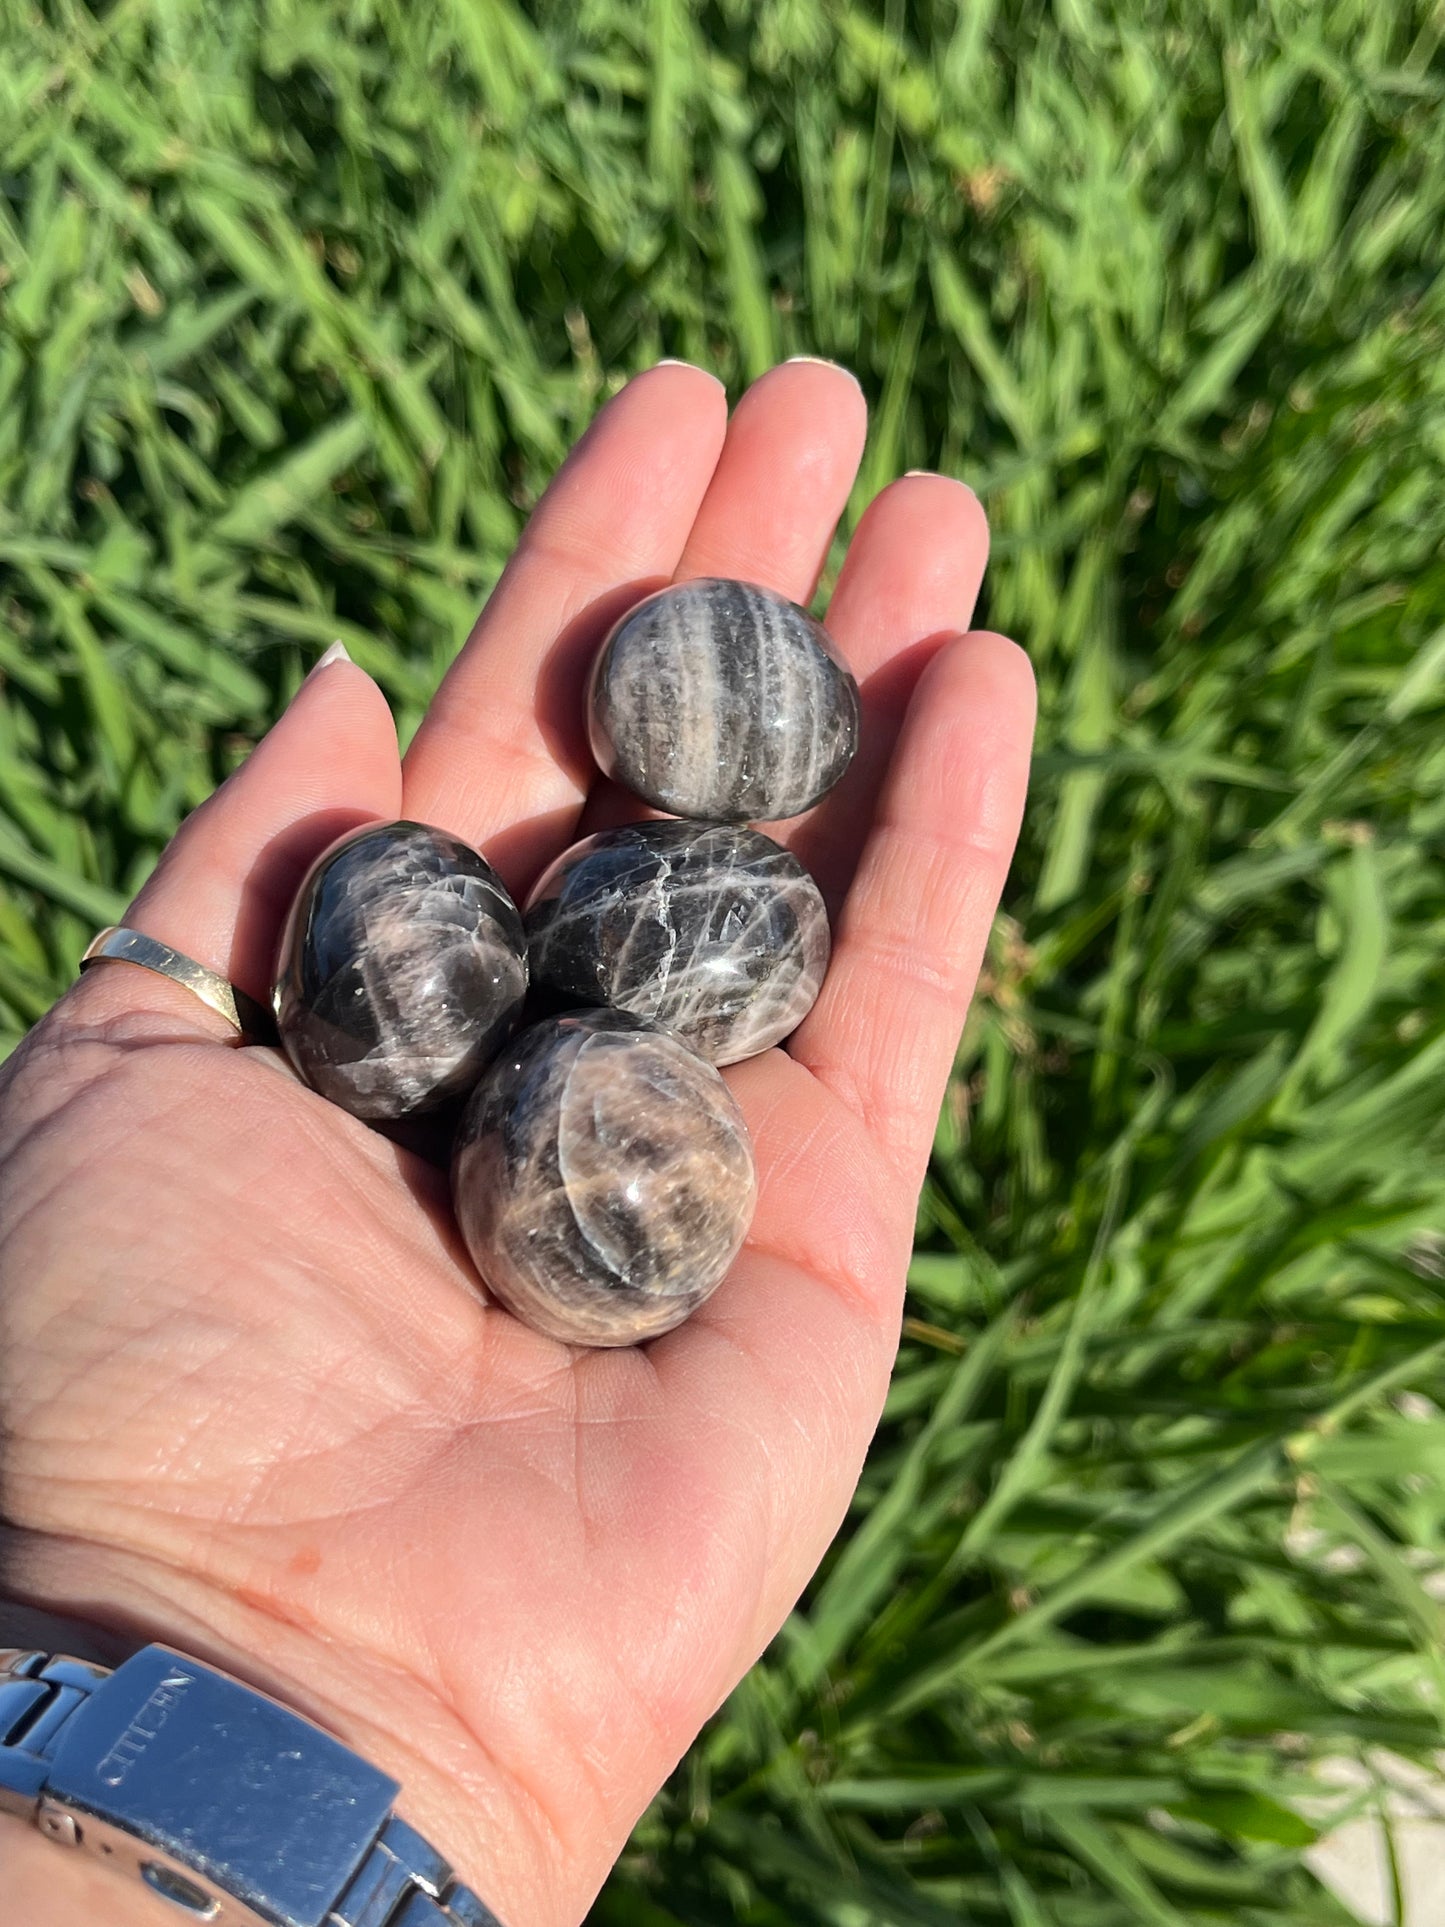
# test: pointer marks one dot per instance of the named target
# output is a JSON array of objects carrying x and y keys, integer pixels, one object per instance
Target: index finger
[{"x": 500, "y": 758}]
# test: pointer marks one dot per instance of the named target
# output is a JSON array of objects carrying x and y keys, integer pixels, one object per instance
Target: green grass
[{"x": 301, "y": 302}]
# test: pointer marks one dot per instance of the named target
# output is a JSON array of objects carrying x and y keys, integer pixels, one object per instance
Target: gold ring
[{"x": 117, "y": 944}]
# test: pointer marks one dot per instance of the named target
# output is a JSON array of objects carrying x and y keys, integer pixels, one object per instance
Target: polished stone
[
  {"x": 709, "y": 929},
  {"x": 402, "y": 969},
  {"x": 602, "y": 1179},
  {"x": 720, "y": 699}
]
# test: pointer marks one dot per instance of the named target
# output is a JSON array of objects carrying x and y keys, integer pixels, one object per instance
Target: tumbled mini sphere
[
  {"x": 711, "y": 930},
  {"x": 602, "y": 1178},
  {"x": 720, "y": 699},
  {"x": 402, "y": 968}
]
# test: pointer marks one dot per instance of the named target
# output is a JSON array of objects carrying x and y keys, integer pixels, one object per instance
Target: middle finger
[{"x": 792, "y": 451}]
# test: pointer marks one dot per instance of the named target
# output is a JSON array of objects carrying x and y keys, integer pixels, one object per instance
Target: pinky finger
[{"x": 917, "y": 917}]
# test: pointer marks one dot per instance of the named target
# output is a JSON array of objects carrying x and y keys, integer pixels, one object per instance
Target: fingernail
[
  {"x": 926, "y": 472},
  {"x": 338, "y": 652},
  {"x": 821, "y": 361},
  {"x": 674, "y": 361}
]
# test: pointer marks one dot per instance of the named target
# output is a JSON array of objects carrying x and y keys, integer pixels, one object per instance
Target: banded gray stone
[{"x": 722, "y": 700}]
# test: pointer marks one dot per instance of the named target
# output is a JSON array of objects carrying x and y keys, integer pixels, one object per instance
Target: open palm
[{"x": 252, "y": 1398}]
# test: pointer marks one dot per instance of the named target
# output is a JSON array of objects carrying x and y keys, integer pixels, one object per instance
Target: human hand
[{"x": 252, "y": 1402}]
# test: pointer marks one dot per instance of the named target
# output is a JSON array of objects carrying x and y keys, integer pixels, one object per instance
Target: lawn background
[{"x": 300, "y": 304}]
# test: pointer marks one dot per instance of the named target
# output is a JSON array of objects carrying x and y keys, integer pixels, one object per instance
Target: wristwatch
[{"x": 226, "y": 1804}]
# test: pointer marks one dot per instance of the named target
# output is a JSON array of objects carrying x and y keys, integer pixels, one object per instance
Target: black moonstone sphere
[
  {"x": 602, "y": 1178},
  {"x": 711, "y": 930},
  {"x": 401, "y": 970},
  {"x": 720, "y": 699}
]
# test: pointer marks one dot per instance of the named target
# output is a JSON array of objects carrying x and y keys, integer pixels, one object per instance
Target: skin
[{"x": 253, "y": 1401}]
